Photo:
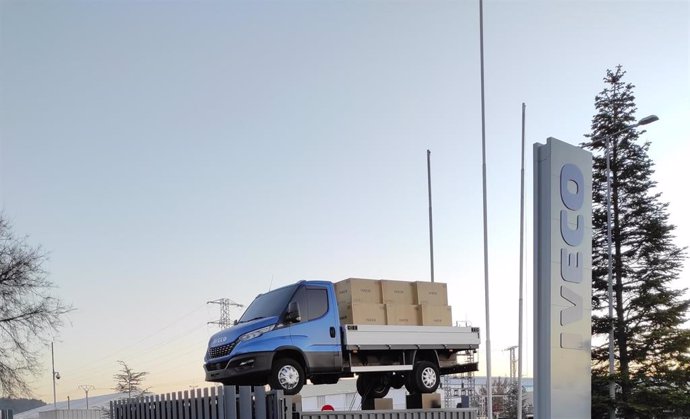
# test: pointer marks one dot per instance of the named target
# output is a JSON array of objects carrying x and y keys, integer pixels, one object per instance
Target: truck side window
[
  {"x": 301, "y": 298},
  {"x": 313, "y": 303},
  {"x": 318, "y": 302}
]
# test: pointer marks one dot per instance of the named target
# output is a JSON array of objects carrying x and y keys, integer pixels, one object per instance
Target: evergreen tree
[
  {"x": 512, "y": 402},
  {"x": 652, "y": 348}
]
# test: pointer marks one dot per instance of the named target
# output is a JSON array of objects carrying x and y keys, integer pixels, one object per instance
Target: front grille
[{"x": 222, "y": 350}]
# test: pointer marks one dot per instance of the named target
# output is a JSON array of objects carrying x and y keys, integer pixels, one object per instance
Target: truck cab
[{"x": 284, "y": 337}]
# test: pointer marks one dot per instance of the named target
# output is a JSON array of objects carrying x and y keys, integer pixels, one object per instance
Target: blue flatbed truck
[{"x": 293, "y": 333}]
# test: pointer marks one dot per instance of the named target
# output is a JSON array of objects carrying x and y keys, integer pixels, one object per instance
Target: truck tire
[
  {"x": 287, "y": 375},
  {"x": 373, "y": 386},
  {"x": 424, "y": 378},
  {"x": 325, "y": 379},
  {"x": 397, "y": 381}
]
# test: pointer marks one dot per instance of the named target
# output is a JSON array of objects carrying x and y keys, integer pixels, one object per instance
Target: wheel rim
[
  {"x": 428, "y": 377},
  {"x": 288, "y": 377}
]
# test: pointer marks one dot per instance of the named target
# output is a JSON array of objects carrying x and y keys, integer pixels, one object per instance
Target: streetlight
[
  {"x": 56, "y": 375},
  {"x": 644, "y": 121}
]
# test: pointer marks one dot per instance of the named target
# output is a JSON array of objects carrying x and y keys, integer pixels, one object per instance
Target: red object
[{"x": 327, "y": 407}]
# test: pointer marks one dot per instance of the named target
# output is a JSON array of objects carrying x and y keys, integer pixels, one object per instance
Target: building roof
[{"x": 95, "y": 402}]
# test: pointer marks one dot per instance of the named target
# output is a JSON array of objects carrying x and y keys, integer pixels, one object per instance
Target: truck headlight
[{"x": 256, "y": 333}]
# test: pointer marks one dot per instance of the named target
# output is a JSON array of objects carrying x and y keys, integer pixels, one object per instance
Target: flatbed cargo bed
[{"x": 375, "y": 337}]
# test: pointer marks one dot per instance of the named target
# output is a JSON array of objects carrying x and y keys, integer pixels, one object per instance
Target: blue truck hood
[{"x": 231, "y": 334}]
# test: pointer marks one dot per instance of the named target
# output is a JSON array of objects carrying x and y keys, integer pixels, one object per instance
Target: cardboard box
[
  {"x": 431, "y": 293},
  {"x": 397, "y": 292},
  {"x": 362, "y": 313},
  {"x": 358, "y": 290},
  {"x": 377, "y": 404},
  {"x": 435, "y": 315},
  {"x": 423, "y": 401},
  {"x": 402, "y": 314}
]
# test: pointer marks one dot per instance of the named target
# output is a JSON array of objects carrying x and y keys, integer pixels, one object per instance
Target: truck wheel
[
  {"x": 397, "y": 381},
  {"x": 373, "y": 386},
  {"x": 287, "y": 375},
  {"x": 424, "y": 378},
  {"x": 325, "y": 379}
]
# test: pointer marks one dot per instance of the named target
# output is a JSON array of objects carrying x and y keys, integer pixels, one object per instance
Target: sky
[{"x": 168, "y": 153}]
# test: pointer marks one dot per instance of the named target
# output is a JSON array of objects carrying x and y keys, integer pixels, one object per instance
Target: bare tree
[
  {"x": 129, "y": 381},
  {"x": 28, "y": 313}
]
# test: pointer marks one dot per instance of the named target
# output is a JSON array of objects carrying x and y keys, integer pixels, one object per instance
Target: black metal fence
[
  {"x": 227, "y": 402},
  {"x": 252, "y": 403}
]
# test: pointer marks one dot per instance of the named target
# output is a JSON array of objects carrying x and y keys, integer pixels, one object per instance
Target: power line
[{"x": 96, "y": 364}]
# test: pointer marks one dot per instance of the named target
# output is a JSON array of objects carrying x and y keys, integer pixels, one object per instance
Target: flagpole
[
  {"x": 431, "y": 229},
  {"x": 489, "y": 407},
  {"x": 522, "y": 245}
]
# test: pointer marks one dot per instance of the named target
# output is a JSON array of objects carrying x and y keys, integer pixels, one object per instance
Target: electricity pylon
[{"x": 224, "y": 321}]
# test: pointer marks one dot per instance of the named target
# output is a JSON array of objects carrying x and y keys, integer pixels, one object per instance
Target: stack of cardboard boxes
[
  {"x": 360, "y": 302},
  {"x": 371, "y": 301}
]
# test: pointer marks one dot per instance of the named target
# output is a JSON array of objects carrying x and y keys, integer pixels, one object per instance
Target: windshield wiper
[{"x": 255, "y": 318}]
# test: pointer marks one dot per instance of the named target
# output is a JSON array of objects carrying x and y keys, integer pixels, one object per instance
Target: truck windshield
[{"x": 271, "y": 304}]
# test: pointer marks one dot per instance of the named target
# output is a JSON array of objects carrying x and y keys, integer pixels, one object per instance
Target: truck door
[{"x": 316, "y": 334}]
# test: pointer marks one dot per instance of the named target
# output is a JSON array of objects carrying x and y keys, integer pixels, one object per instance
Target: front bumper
[{"x": 244, "y": 369}]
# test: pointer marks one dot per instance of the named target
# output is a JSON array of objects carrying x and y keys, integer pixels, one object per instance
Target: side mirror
[
  {"x": 293, "y": 313},
  {"x": 235, "y": 322}
]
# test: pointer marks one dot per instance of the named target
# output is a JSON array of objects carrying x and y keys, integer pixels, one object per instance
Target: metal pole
[
  {"x": 52, "y": 357},
  {"x": 431, "y": 228},
  {"x": 489, "y": 407},
  {"x": 522, "y": 234},
  {"x": 86, "y": 388}
]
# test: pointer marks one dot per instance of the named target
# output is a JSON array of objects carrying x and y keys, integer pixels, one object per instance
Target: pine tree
[
  {"x": 652, "y": 348},
  {"x": 512, "y": 402}
]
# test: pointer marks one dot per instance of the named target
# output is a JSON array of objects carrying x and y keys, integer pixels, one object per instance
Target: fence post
[
  {"x": 213, "y": 404},
  {"x": 188, "y": 405},
  {"x": 192, "y": 405},
  {"x": 260, "y": 402},
  {"x": 206, "y": 404},
  {"x": 6, "y": 413},
  {"x": 199, "y": 401},
  {"x": 147, "y": 407},
  {"x": 246, "y": 402},
  {"x": 173, "y": 406},
  {"x": 277, "y": 406},
  {"x": 166, "y": 405},
  {"x": 219, "y": 403},
  {"x": 230, "y": 400}
]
